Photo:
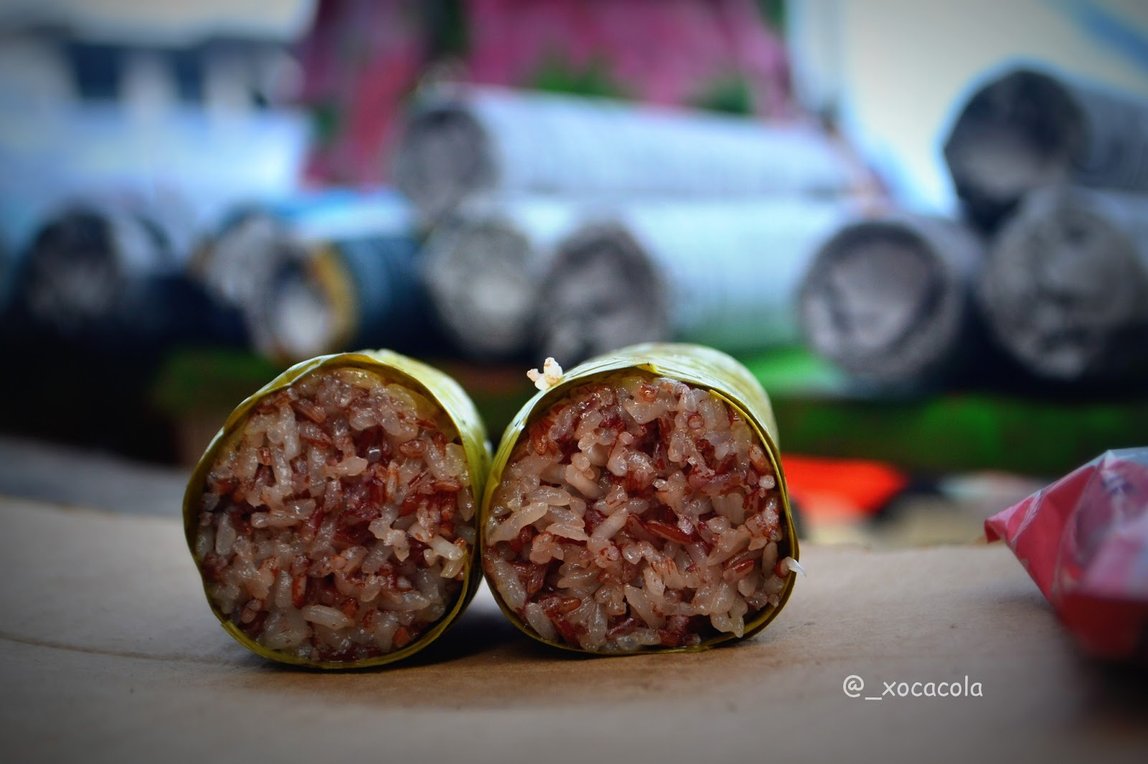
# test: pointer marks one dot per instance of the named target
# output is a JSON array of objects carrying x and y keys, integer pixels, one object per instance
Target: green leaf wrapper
[
  {"x": 695, "y": 365},
  {"x": 393, "y": 367}
]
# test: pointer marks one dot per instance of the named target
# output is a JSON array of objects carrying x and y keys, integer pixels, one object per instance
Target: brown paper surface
[{"x": 108, "y": 652}]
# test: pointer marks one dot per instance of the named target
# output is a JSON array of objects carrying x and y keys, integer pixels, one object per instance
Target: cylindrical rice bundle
[
  {"x": 483, "y": 266},
  {"x": 333, "y": 517},
  {"x": 1027, "y": 129},
  {"x": 637, "y": 503},
  {"x": 720, "y": 273},
  {"x": 890, "y": 299},
  {"x": 468, "y": 141},
  {"x": 1065, "y": 289}
]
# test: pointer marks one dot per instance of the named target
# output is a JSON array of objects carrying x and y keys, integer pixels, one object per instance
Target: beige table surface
[{"x": 108, "y": 653}]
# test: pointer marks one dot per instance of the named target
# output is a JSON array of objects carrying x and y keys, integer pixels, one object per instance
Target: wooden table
[{"x": 108, "y": 652}]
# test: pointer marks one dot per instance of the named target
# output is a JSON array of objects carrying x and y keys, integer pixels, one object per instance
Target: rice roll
[
  {"x": 637, "y": 503},
  {"x": 333, "y": 517}
]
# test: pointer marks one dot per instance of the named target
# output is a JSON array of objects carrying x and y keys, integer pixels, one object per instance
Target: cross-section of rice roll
[
  {"x": 639, "y": 504},
  {"x": 333, "y": 518}
]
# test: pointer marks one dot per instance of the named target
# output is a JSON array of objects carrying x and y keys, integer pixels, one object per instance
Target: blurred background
[{"x": 923, "y": 226}]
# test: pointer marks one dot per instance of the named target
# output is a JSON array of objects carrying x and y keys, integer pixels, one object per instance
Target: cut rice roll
[
  {"x": 638, "y": 504},
  {"x": 333, "y": 517}
]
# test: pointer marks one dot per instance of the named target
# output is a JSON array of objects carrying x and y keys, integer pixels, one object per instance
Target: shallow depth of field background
[{"x": 179, "y": 181}]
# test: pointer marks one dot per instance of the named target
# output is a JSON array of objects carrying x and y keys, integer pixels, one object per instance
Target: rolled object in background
[
  {"x": 257, "y": 240},
  {"x": 105, "y": 278},
  {"x": 1065, "y": 289},
  {"x": 315, "y": 273},
  {"x": 1027, "y": 129},
  {"x": 237, "y": 262},
  {"x": 364, "y": 292},
  {"x": 721, "y": 273},
  {"x": 483, "y": 267},
  {"x": 638, "y": 504},
  {"x": 462, "y": 142},
  {"x": 332, "y": 518},
  {"x": 81, "y": 262},
  {"x": 890, "y": 299}
]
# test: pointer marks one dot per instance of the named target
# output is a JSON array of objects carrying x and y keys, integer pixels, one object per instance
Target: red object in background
[
  {"x": 840, "y": 489},
  {"x": 362, "y": 59},
  {"x": 1084, "y": 541},
  {"x": 670, "y": 52}
]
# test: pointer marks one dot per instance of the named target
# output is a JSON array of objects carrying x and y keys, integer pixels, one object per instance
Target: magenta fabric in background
[
  {"x": 671, "y": 52},
  {"x": 363, "y": 58},
  {"x": 360, "y": 60}
]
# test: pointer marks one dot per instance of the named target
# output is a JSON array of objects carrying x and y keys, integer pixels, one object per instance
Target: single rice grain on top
[
  {"x": 637, "y": 513},
  {"x": 337, "y": 523}
]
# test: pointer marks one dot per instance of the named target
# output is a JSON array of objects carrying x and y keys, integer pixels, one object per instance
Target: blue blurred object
[
  {"x": 321, "y": 272},
  {"x": 190, "y": 164},
  {"x": 1110, "y": 29}
]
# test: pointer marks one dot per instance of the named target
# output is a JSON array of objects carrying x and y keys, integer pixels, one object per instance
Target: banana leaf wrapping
[
  {"x": 720, "y": 379},
  {"x": 461, "y": 436}
]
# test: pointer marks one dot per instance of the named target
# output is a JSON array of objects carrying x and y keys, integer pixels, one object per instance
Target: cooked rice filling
[
  {"x": 337, "y": 523},
  {"x": 637, "y": 513}
]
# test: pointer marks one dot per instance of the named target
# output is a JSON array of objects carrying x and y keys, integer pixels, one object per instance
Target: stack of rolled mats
[
  {"x": 571, "y": 226},
  {"x": 1042, "y": 280},
  {"x": 320, "y": 272},
  {"x": 106, "y": 275},
  {"x": 292, "y": 277}
]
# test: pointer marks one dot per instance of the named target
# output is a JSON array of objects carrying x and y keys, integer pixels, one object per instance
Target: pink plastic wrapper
[{"x": 1084, "y": 541}]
